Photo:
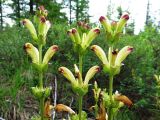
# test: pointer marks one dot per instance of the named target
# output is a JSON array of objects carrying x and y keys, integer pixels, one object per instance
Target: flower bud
[
  {"x": 106, "y": 24},
  {"x": 67, "y": 74},
  {"x": 47, "y": 91},
  {"x": 76, "y": 36},
  {"x": 78, "y": 74},
  {"x": 91, "y": 72},
  {"x": 123, "y": 53},
  {"x": 48, "y": 25},
  {"x": 69, "y": 32},
  {"x": 80, "y": 23},
  {"x": 114, "y": 56},
  {"x": 93, "y": 33},
  {"x": 96, "y": 91},
  {"x": 32, "y": 52},
  {"x": 45, "y": 13},
  {"x": 42, "y": 11},
  {"x": 43, "y": 28},
  {"x": 36, "y": 92},
  {"x": 122, "y": 22},
  {"x": 50, "y": 52},
  {"x": 41, "y": 92},
  {"x": 100, "y": 53},
  {"x": 114, "y": 25},
  {"x": 31, "y": 28},
  {"x": 41, "y": 8}
]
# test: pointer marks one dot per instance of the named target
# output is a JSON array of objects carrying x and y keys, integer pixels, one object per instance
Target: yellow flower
[
  {"x": 50, "y": 52},
  {"x": 32, "y": 52},
  {"x": 29, "y": 25},
  {"x": 114, "y": 61}
]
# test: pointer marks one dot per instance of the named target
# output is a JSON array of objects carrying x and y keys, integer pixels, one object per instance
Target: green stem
[
  {"x": 96, "y": 110},
  {"x": 80, "y": 63},
  {"x": 110, "y": 87},
  {"x": 41, "y": 84},
  {"x": 40, "y": 73},
  {"x": 80, "y": 98},
  {"x": 42, "y": 108},
  {"x": 80, "y": 107},
  {"x": 110, "y": 113}
]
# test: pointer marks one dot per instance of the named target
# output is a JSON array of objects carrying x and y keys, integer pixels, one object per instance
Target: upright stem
[
  {"x": 80, "y": 107},
  {"x": 40, "y": 73},
  {"x": 110, "y": 113},
  {"x": 80, "y": 98},
  {"x": 80, "y": 63},
  {"x": 110, "y": 87},
  {"x": 41, "y": 84}
]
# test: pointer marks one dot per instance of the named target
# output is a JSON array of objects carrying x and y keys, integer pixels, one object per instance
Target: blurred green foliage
[{"x": 135, "y": 80}]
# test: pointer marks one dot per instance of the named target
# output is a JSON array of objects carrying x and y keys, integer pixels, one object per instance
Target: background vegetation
[{"x": 136, "y": 79}]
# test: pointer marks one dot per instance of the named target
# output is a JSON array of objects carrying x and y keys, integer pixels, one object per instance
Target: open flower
[
  {"x": 32, "y": 52},
  {"x": 78, "y": 85},
  {"x": 50, "y": 52},
  {"x": 83, "y": 41},
  {"x": 113, "y": 29},
  {"x": 43, "y": 28},
  {"x": 29, "y": 25},
  {"x": 115, "y": 58}
]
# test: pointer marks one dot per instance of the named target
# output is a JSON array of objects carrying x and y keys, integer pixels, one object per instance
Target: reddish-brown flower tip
[
  {"x": 102, "y": 18},
  {"x": 69, "y": 32},
  {"x": 87, "y": 26},
  {"x": 24, "y": 22},
  {"x": 60, "y": 70},
  {"x": 130, "y": 49},
  {"x": 115, "y": 52},
  {"x": 114, "y": 23},
  {"x": 126, "y": 16},
  {"x": 93, "y": 48},
  {"x": 55, "y": 48},
  {"x": 74, "y": 30},
  {"x": 26, "y": 46},
  {"x": 43, "y": 19},
  {"x": 97, "y": 31},
  {"x": 41, "y": 8},
  {"x": 79, "y": 23},
  {"x": 98, "y": 69}
]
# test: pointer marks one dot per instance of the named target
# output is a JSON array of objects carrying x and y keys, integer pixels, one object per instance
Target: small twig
[
  {"x": 70, "y": 106},
  {"x": 55, "y": 97}
]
